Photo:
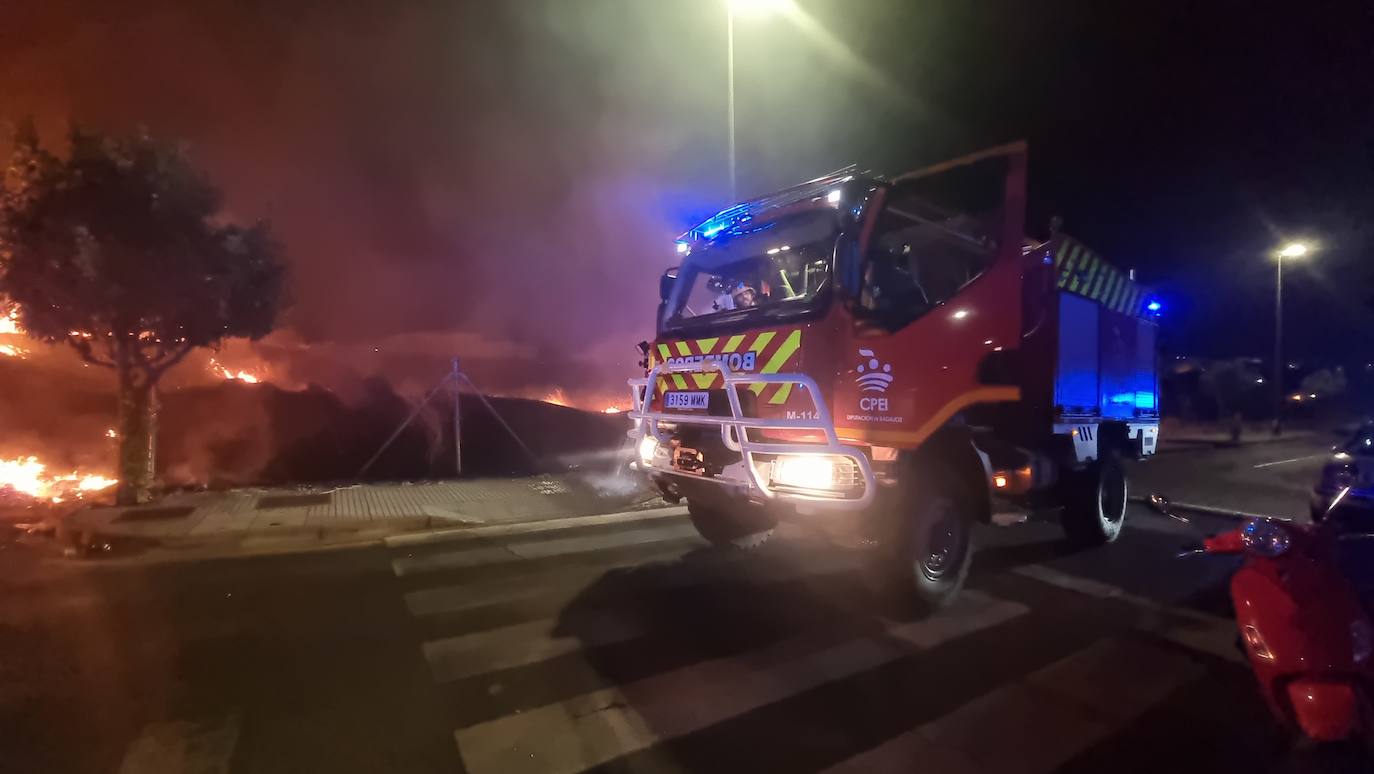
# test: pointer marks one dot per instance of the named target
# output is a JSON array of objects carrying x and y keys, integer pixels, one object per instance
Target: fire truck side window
[{"x": 921, "y": 256}]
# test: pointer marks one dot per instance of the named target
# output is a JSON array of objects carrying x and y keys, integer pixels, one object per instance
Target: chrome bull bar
[{"x": 734, "y": 431}]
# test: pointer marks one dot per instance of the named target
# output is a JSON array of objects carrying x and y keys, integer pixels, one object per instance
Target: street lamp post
[
  {"x": 730, "y": 89},
  {"x": 1292, "y": 250},
  {"x": 733, "y": 8}
]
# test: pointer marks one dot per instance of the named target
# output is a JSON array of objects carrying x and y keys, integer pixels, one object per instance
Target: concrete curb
[
  {"x": 530, "y": 527},
  {"x": 1175, "y": 445},
  {"x": 1229, "y": 513},
  {"x": 402, "y": 532}
]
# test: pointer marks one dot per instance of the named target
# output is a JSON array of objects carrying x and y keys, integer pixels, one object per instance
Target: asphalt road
[{"x": 632, "y": 647}]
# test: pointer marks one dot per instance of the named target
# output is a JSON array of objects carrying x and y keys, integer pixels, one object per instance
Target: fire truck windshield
[{"x": 777, "y": 269}]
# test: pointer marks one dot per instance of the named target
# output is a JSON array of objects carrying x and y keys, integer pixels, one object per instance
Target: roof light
[
  {"x": 834, "y": 196},
  {"x": 683, "y": 248}
]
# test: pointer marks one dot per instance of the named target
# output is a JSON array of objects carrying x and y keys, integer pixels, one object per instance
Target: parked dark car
[{"x": 1351, "y": 467}]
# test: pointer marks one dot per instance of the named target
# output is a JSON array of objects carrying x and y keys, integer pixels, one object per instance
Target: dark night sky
[{"x": 516, "y": 170}]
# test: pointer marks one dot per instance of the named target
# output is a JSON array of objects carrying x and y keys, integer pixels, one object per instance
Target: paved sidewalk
[
  {"x": 265, "y": 518},
  {"x": 1205, "y": 437}
]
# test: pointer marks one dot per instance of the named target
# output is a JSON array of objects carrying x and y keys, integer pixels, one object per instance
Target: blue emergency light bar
[{"x": 730, "y": 219}]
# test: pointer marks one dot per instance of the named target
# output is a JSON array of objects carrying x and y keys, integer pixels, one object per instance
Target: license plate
[{"x": 687, "y": 400}]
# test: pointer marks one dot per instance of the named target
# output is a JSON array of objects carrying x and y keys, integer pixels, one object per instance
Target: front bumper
[
  {"x": 751, "y": 477},
  {"x": 1356, "y": 501}
]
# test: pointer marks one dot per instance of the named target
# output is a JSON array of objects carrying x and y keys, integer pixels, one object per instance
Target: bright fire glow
[
  {"x": 29, "y": 476},
  {"x": 10, "y": 323},
  {"x": 612, "y": 410},
  {"x": 10, "y": 350},
  {"x": 240, "y": 375},
  {"x": 557, "y": 398}
]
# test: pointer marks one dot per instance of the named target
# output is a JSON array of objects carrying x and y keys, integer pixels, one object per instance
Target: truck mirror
[{"x": 666, "y": 283}]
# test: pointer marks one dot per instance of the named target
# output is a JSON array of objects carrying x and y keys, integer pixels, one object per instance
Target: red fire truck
[{"x": 892, "y": 360}]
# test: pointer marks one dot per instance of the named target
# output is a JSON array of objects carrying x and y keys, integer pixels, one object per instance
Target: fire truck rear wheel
[
  {"x": 934, "y": 536},
  {"x": 741, "y": 527},
  {"x": 1095, "y": 502}
]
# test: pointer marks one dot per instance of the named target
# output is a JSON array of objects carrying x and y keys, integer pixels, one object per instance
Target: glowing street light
[
  {"x": 1290, "y": 250},
  {"x": 758, "y": 7}
]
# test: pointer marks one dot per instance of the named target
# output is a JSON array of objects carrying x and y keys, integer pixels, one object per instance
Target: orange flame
[
  {"x": 557, "y": 398},
  {"x": 240, "y": 375},
  {"x": 10, "y": 323},
  {"x": 28, "y": 476}
]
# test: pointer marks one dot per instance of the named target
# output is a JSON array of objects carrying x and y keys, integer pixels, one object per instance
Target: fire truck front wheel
[
  {"x": 741, "y": 527},
  {"x": 934, "y": 536},
  {"x": 1095, "y": 502}
]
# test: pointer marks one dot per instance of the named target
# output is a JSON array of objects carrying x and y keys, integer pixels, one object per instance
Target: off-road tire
[
  {"x": 933, "y": 534},
  {"x": 1095, "y": 501},
  {"x": 741, "y": 528}
]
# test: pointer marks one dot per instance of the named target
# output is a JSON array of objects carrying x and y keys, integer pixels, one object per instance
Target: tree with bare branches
[{"x": 118, "y": 248}]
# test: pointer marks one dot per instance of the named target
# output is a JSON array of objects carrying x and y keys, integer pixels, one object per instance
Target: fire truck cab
[{"x": 892, "y": 361}]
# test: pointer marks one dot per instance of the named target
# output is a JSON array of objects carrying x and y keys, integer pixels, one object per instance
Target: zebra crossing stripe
[
  {"x": 597, "y": 727},
  {"x": 1041, "y": 722},
  {"x": 454, "y": 658},
  {"x": 542, "y": 549},
  {"x": 183, "y": 746}
]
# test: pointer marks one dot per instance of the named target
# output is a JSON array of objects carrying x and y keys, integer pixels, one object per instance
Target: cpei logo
[{"x": 873, "y": 375}]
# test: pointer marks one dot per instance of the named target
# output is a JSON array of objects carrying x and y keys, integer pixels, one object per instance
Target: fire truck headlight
[
  {"x": 648, "y": 447},
  {"x": 804, "y": 471}
]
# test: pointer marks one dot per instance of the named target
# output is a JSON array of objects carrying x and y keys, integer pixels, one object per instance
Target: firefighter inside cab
[{"x": 891, "y": 361}]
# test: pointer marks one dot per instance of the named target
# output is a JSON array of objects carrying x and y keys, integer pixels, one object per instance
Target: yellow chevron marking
[
  {"x": 789, "y": 347},
  {"x": 1063, "y": 253},
  {"x": 762, "y": 341},
  {"x": 679, "y": 382},
  {"x": 665, "y": 352},
  {"x": 704, "y": 346},
  {"x": 1114, "y": 292},
  {"x": 733, "y": 343},
  {"x": 1093, "y": 265},
  {"x": 1126, "y": 288},
  {"x": 782, "y": 394},
  {"x": 1104, "y": 278},
  {"x": 1069, "y": 265},
  {"x": 704, "y": 380},
  {"x": 683, "y": 349}
]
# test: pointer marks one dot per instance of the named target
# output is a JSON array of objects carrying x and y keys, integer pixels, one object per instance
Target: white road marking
[
  {"x": 454, "y": 658},
  {"x": 699, "y": 570},
  {"x": 1035, "y": 725},
  {"x": 589, "y": 730},
  {"x": 552, "y": 525},
  {"x": 476, "y": 557},
  {"x": 183, "y": 747},
  {"x": 1190, "y": 628},
  {"x": 1285, "y": 462}
]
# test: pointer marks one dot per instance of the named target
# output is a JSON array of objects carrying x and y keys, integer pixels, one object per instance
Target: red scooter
[{"x": 1303, "y": 600}]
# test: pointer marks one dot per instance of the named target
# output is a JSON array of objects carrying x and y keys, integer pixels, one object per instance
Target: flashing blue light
[{"x": 1154, "y": 306}]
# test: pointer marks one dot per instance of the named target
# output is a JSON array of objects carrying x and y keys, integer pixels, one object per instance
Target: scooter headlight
[{"x": 1265, "y": 537}]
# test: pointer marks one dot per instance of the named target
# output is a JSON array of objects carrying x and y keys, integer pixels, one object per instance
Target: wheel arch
[{"x": 952, "y": 447}]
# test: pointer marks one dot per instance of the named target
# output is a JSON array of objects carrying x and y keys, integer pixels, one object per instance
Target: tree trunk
[{"x": 137, "y": 439}]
